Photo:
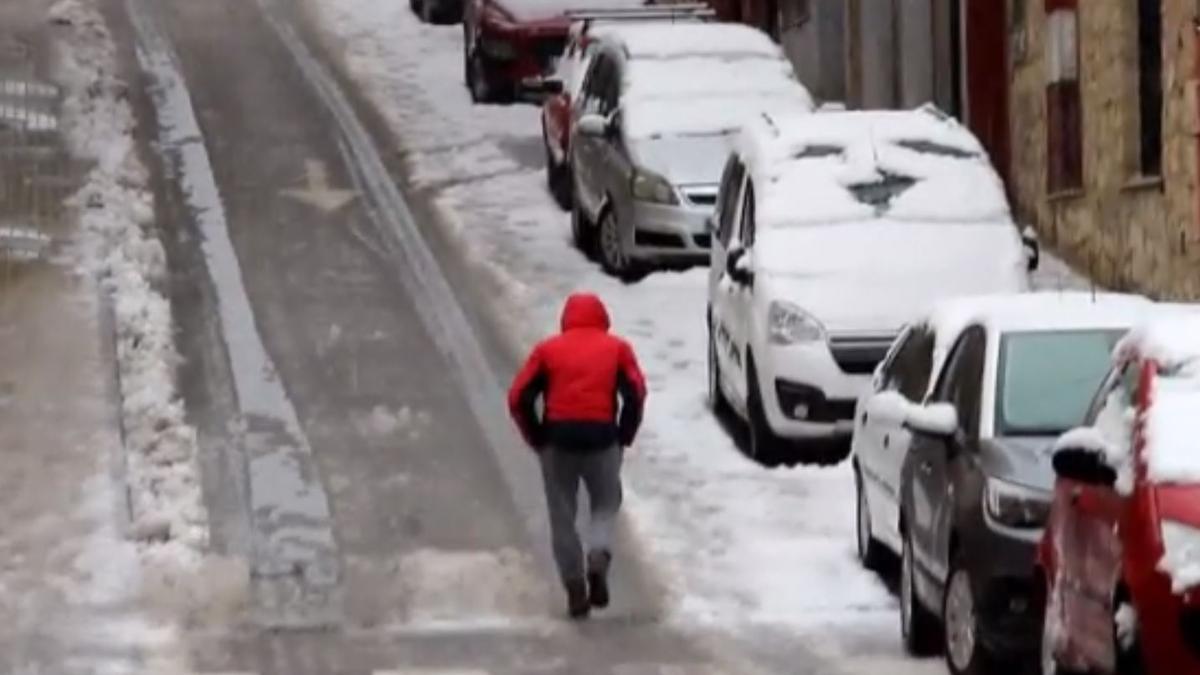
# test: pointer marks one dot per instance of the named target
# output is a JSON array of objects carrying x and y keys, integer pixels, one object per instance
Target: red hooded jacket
[{"x": 581, "y": 375}]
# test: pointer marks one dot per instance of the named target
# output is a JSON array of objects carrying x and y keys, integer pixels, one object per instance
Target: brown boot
[{"x": 578, "y": 604}]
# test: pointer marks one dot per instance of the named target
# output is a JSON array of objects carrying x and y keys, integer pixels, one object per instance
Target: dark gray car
[{"x": 977, "y": 482}]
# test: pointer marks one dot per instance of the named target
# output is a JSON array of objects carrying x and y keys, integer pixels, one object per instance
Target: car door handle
[
  {"x": 1076, "y": 495},
  {"x": 887, "y": 441},
  {"x": 866, "y": 416}
]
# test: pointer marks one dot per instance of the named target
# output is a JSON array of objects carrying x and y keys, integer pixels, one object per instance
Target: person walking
[{"x": 592, "y": 395}]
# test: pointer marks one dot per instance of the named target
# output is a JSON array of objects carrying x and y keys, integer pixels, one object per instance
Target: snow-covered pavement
[{"x": 740, "y": 546}]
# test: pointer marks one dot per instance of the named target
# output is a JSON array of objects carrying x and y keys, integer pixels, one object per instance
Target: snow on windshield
[
  {"x": 907, "y": 166},
  {"x": 534, "y": 10},
  {"x": 1171, "y": 343},
  {"x": 706, "y": 116},
  {"x": 701, "y": 76},
  {"x": 1172, "y": 429},
  {"x": 648, "y": 41}
]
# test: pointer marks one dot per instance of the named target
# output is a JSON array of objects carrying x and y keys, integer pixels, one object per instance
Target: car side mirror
[
  {"x": 1033, "y": 250},
  {"x": 939, "y": 420},
  {"x": 737, "y": 266},
  {"x": 592, "y": 125},
  {"x": 1084, "y": 465}
]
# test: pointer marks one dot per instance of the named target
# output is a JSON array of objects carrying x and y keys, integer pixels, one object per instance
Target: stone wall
[{"x": 1129, "y": 232}]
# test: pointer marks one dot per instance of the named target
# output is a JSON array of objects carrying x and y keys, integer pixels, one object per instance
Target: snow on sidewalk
[
  {"x": 740, "y": 544},
  {"x": 120, "y": 249}
]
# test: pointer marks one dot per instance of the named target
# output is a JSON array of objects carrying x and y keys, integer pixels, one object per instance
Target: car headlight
[
  {"x": 649, "y": 187},
  {"x": 1015, "y": 505},
  {"x": 787, "y": 324},
  {"x": 1181, "y": 551}
]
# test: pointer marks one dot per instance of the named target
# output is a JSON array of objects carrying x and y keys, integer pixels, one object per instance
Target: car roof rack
[{"x": 688, "y": 10}]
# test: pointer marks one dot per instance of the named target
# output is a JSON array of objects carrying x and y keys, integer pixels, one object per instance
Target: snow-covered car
[
  {"x": 975, "y": 483},
  {"x": 562, "y": 88},
  {"x": 1121, "y": 553},
  {"x": 660, "y": 106},
  {"x": 510, "y": 46},
  {"x": 832, "y": 230}
]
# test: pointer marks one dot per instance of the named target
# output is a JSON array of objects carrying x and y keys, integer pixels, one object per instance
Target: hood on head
[{"x": 584, "y": 310}]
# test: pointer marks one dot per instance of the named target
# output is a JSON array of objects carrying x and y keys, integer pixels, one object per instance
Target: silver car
[{"x": 655, "y": 120}]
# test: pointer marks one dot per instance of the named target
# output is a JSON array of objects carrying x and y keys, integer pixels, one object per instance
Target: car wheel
[
  {"x": 558, "y": 176},
  {"x": 870, "y": 551},
  {"x": 583, "y": 232},
  {"x": 764, "y": 444},
  {"x": 965, "y": 655},
  {"x": 477, "y": 79},
  {"x": 613, "y": 256},
  {"x": 716, "y": 396},
  {"x": 918, "y": 627}
]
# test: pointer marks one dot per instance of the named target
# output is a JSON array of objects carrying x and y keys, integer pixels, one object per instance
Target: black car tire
[
  {"x": 965, "y": 652},
  {"x": 558, "y": 176},
  {"x": 477, "y": 79},
  {"x": 716, "y": 396},
  {"x": 583, "y": 231},
  {"x": 870, "y": 551},
  {"x": 765, "y": 447},
  {"x": 614, "y": 260},
  {"x": 918, "y": 626}
]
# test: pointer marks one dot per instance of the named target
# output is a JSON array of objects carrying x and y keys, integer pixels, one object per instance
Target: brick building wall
[{"x": 1129, "y": 230}]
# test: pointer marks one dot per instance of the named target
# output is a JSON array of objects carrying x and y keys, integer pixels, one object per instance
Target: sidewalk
[{"x": 71, "y": 597}]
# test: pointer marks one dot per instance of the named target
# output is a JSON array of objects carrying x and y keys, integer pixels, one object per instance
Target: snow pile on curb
[{"x": 121, "y": 251}]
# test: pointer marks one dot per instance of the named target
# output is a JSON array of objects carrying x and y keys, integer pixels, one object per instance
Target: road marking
[
  {"x": 317, "y": 192},
  {"x": 422, "y": 277}
]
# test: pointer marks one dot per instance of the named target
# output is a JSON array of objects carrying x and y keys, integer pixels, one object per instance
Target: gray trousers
[{"x": 600, "y": 473}]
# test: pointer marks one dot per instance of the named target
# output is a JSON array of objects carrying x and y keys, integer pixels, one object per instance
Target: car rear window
[{"x": 1047, "y": 379}]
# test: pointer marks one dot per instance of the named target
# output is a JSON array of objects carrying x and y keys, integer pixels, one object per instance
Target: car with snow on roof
[
  {"x": 510, "y": 46},
  {"x": 975, "y": 481},
  {"x": 1120, "y": 558},
  {"x": 660, "y": 107},
  {"x": 563, "y": 87},
  {"x": 832, "y": 230}
]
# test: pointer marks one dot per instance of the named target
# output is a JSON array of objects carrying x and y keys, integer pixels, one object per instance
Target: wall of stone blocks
[{"x": 1129, "y": 232}]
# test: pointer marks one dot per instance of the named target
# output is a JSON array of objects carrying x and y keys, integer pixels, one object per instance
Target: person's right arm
[{"x": 527, "y": 387}]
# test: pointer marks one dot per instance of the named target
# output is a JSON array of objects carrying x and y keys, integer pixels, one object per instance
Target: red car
[
  {"x": 1121, "y": 553},
  {"x": 563, "y": 86},
  {"x": 509, "y": 46}
]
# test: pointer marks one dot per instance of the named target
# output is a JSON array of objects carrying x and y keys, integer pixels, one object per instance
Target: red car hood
[{"x": 1179, "y": 502}]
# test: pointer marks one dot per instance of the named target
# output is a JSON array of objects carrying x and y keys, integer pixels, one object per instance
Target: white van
[{"x": 831, "y": 231}]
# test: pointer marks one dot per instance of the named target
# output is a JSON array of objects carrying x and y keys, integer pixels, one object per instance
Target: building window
[
  {"x": 1064, "y": 115},
  {"x": 1150, "y": 89}
]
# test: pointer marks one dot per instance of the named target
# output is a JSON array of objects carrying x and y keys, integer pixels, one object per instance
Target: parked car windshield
[{"x": 1046, "y": 379}]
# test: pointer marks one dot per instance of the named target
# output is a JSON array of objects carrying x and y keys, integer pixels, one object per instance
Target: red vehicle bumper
[
  {"x": 517, "y": 58},
  {"x": 1169, "y": 628}
]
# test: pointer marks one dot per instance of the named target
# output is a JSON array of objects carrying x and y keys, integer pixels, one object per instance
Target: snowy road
[{"x": 357, "y": 257}]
